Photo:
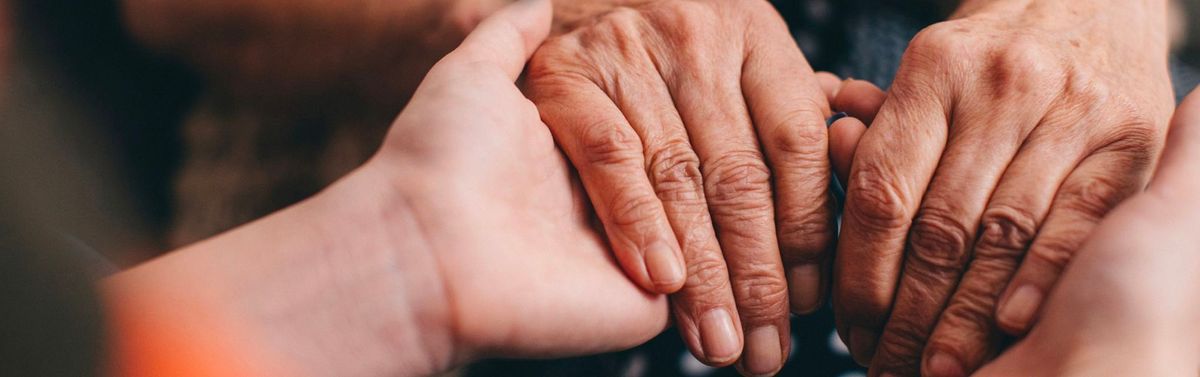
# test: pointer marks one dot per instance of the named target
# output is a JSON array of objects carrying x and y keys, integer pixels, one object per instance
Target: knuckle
[
  {"x": 608, "y": 144},
  {"x": 904, "y": 343},
  {"x": 938, "y": 242},
  {"x": 738, "y": 178},
  {"x": 631, "y": 212},
  {"x": 1018, "y": 68},
  {"x": 616, "y": 22},
  {"x": 707, "y": 276},
  {"x": 941, "y": 42},
  {"x": 683, "y": 22},
  {"x": 1007, "y": 231},
  {"x": 875, "y": 201},
  {"x": 1137, "y": 140},
  {"x": 972, "y": 308},
  {"x": 1055, "y": 252},
  {"x": 804, "y": 238},
  {"x": 1095, "y": 196},
  {"x": 675, "y": 173},
  {"x": 799, "y": 138},
  {"x": 762, "y": 297},
  {"x": 1024, "y": 57}
]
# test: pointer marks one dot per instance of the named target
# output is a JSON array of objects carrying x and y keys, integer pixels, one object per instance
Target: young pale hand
[{"x": 466, "y": 236}]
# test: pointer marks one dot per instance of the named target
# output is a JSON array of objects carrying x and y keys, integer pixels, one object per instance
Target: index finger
[
  {"x": 892, "y": 168},
  {"x": 789, "y": 107}
]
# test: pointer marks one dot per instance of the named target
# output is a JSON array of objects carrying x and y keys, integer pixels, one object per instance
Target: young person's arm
[{"x": 464, "y": 237}]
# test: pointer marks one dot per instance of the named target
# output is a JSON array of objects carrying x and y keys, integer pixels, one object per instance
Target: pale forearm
[{"x": 305, "y": 288}]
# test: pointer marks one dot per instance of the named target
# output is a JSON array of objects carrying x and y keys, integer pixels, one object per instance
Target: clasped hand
[{"x": 697, "y": 131}]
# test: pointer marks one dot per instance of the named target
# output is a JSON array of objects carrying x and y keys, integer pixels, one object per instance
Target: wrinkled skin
[
  {"x": 1009, "y": 132},
  {"x": 697, "y": 128},
  {"x": 1128, "y": 303}
]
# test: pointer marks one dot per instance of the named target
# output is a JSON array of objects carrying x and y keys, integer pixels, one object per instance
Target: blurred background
[{"x": 112, "y": 153}]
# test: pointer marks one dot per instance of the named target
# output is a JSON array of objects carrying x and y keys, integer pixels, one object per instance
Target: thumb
[
  {"x": 1178, "y": 173},
  {"x": 505, "y": 40}
]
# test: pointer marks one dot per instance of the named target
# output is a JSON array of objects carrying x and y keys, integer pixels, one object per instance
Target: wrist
[{"x": 339, "y": 284}]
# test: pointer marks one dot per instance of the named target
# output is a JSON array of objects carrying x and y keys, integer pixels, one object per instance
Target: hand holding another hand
[
  {"x": 698, "y": 130},
  {"x": 1128, "y": 303},
  {"x": 1009, "y": 132},
  {"x": 466, "y": 236}
]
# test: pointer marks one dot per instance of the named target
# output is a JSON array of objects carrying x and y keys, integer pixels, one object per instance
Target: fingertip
[
  {"x": 861, "y": 99},
  {"x": 720, "y": 340},
  {"x": 534, "y": 20},
  {"x": 507, "y": 38},
  {"x": 1017, "y": 311},
  {"x": 665, "y": 268},
  {"x": 943, "y": 364},
  {"x": 844, "y": 135},
  {"x": 805, "y": 288},
  {"x": 830, "y": 84},
  {"x": 862, "y": 345}
]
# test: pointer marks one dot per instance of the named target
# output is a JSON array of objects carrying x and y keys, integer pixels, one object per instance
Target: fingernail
[
  {"x": 718, "y": 336},
  {"x": 805, "y": 288},
  {"x": 1018, "y": 311},
  {"x": 663, "y": 266},
  {"x": 944, "y": 365},
  {"x": 862, "y": 345},
  {"x": 764, "y": 353}
]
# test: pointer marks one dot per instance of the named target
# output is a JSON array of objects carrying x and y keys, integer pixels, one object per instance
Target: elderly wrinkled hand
[
  {"x": 698, "y": 131},
  {"x": 1008, "y": 133},
  {"x": 1128, "y": 304}
]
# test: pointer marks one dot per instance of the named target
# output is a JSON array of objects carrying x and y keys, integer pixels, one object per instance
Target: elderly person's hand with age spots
[
  {"x": 1129, "y": 303},
  {"x": 698, "y": 129},
  {"x": 1008, "y": 133}
]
